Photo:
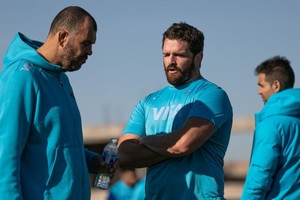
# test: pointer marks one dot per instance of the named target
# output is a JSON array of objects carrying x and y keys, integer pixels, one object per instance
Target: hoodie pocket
[{"x": 68, "y": 176}]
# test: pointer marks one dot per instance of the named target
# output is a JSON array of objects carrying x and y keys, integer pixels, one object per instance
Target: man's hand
[{"x": 101, "y": 167}]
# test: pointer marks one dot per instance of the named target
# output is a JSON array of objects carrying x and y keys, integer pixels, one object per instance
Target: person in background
[
  {"x": 128, "y": 186},
  {"x": 181, "y": 132},
  {"x": 275, "y": 160},
  {"x": 42, "y": 155}
]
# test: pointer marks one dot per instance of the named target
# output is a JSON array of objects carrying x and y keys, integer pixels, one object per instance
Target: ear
[
  {"x": 63, "y": 37},
  {"x": 276, "y": 86},
  {"x": 198, "y": 58}
]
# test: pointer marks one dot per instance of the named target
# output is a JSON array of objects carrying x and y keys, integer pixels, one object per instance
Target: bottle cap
[{"x": 114, "y": 140}]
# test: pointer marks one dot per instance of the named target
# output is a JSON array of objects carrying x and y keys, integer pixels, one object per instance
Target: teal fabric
[
  {"x": 275, "y": 161},
  {"x": 200, "y": 174},
  {"x": 42, "y": 155},
  {"x": 121, "y": 191}
]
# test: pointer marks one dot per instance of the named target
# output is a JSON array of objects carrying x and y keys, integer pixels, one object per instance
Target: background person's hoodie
[{"x": 274, "y": 171}]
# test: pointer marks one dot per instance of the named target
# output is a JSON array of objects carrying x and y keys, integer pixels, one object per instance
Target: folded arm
[
  {"x": 131, "y": 153},
  {"x": 137, "y": 152},
  {"x": 194, "y": 133}
]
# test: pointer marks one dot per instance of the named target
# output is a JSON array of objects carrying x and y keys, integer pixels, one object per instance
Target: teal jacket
[
  {"x": 42, "y": 155},
  {"x": 274, "y": 171}
]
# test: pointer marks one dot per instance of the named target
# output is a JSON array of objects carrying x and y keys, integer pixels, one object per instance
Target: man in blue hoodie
[
  {"x": 275, "y": 160},
  {"x": 42, "y": 155}
]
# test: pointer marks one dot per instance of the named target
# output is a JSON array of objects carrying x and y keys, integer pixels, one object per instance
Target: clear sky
[{"x": 127, "y": 60}]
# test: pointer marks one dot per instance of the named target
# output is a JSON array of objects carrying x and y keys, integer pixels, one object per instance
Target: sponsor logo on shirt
[{"x": 165, "y": 111}]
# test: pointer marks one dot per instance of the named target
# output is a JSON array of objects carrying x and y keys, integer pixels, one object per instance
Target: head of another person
[
  {"x": 129, "y": 176},
  {"x": 72, "y": 32},
  {"x": 274, "y": 75},
  {"x": 182, "y": 47}
]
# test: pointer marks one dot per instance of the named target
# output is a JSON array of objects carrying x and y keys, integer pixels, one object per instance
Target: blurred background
[{"x": 126, "y": 63}]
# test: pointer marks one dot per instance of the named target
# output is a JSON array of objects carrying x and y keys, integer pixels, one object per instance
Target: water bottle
[{"x": 109, "y": 156}]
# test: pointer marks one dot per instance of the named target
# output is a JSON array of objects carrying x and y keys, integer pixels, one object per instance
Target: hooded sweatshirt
[
  {"x": 275, "y": 161},
  {"x": 42, "y": 154}
]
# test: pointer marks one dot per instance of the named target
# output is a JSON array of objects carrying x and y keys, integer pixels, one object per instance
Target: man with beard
[
  {"x": 181, "y": 132},
  {"x": 42, "y": 155}
]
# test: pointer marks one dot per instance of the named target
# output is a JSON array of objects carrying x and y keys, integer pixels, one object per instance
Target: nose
[
  {"x": 89, "y": 51},
  {"x": 172, "y": 59},
  {"x": 259, "y": 91}
]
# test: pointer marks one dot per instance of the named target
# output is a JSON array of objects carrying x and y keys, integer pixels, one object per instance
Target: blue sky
[{"x": 127, "y": 60}]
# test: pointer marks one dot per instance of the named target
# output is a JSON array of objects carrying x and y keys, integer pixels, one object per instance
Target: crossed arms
[{"x": 137, "y": 152}]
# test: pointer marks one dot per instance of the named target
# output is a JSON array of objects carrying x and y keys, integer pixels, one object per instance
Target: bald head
[{"x": 70, "y": 19}]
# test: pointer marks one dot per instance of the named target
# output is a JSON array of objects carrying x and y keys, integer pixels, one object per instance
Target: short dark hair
[
  {"x": 277, "y": 68},
  {"x": 71, "y": 18},
  {"x": 187, "y": 33}
]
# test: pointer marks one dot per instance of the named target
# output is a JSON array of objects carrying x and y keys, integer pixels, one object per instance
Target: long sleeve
[
  {"x": 90, "y": 157},
  {"x": 16, "y": 100},
  {"x": 128, "y": 156},
  {"x": 263, "y": 163}
]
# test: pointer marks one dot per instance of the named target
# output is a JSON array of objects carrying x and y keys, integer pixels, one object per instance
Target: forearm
[
  {"x": 255, "y": 186},
  {"x": 10, "y": 187},
  {"x": 260, "y": 174},
  {"x": 265, "y": 157},
  {"x": 182, "y": 142},
  {"x": 132, "y": 153},
  {"x": 90, "y": 157},
  {"x": 161, "y": 143}
]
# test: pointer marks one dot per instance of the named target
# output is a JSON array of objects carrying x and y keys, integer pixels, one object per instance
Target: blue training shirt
[{"x": 200, "y": 174}]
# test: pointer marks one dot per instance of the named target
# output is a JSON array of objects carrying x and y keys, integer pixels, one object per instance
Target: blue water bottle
[{"x": 109, "y": 156}]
